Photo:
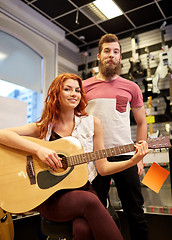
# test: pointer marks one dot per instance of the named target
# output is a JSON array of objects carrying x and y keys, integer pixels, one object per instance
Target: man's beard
[{"x": 111, "y": 69}]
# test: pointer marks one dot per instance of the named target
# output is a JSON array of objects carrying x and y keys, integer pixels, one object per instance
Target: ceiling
[{"x": 84, "y": 28}]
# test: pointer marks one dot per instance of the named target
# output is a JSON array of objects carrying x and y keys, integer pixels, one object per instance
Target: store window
[
  {"x": 32, "y": 98},
  {"x": 21, "y": 74}
]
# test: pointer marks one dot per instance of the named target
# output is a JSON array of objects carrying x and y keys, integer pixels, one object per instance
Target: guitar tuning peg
[{"x": 154, "y": 150}]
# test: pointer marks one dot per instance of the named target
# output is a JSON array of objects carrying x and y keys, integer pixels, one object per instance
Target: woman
[{"x": 64, "y": 115}]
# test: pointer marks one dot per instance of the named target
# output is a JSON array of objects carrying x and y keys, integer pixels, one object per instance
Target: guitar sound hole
[{"x": 64, "y": 161}]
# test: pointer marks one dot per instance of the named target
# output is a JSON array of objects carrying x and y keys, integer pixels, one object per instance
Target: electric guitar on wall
[
  {"x": 85, "y": 73},
  {"x": 148, "y": 80},
  {"x": 151, "y": 119},
  {"x": 168, "y": 110},
  {"x": 26, "y": 182},
  {"x": 135, "y": 70},
  {"x": 165, "y": 61}
]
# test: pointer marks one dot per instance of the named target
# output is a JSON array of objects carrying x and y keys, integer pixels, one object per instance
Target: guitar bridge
[{"x": 30, "y": 170}]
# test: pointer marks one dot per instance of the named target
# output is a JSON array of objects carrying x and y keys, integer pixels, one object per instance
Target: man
[{"x": 110, "y": 98}]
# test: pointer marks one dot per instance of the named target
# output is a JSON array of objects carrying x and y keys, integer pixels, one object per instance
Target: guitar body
[
  {"x": 168, "y": 110},
  {"x": 6, "y": 226},
  {"x": 20, "y": 194},
  {"x": 135, "y": 71},
  {"x": 165, "y": 62},
  {"x": 162, "y": 70}
]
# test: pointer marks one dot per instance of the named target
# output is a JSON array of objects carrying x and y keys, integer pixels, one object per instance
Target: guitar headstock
[{"x": 159, "y": 142}]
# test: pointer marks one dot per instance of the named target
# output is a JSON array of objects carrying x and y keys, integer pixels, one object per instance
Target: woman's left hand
[{"x": 141, "y": 151}]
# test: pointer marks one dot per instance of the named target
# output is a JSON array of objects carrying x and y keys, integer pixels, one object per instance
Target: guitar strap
[{"x": 6, "y": 226}]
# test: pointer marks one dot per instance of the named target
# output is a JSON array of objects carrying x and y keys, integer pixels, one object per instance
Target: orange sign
[{"x": 155, "y": 177}]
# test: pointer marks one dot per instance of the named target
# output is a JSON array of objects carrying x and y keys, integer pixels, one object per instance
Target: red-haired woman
[{"x": 64, "y": 115}]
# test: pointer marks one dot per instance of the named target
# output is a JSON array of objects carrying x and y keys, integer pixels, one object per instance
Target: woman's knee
[{"x": 92, "y": 201}]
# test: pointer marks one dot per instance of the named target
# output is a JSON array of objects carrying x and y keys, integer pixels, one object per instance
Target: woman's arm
[
  {"x": 12, "y": 137},
  {"x": 103, "y": 166}
]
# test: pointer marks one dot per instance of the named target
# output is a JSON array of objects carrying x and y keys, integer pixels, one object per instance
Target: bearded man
[{"x": 110, "y": 98}]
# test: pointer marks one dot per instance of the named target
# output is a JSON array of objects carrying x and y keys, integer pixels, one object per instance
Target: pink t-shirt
[{"x": 111, "y": 101}]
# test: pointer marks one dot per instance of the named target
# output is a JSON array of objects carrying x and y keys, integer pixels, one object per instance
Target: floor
[{"x": 160, "y": 227}]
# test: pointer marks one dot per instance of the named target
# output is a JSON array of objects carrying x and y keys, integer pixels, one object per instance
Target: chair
[{"x": 56, "y": 230}]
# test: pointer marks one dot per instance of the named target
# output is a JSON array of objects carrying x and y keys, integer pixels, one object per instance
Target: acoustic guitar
[
  {"x": 26, "y": 182},
  {"x": 6, "y": 226}
]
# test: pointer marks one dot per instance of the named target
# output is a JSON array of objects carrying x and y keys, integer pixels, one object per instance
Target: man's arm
[
  {"x": 105, "y": 167},
  {"x": 140, "y": 118}
]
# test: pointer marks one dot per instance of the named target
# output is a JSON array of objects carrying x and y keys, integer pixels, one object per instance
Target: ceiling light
[
  {"x": 94, "y": 13},
  {"x": 108, "y": 8}
]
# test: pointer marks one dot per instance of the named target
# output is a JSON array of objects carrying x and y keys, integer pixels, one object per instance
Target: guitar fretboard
[
  {"x": 92, "y": 156},
  {"x": 170, "y": 87}
]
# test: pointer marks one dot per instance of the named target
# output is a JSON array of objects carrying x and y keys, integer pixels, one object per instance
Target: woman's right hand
[{"x": 49, "y": 157}]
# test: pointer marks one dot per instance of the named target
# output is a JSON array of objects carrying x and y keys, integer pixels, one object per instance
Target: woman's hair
[
  {"x": 52, "y": 103},
  {"x": 107, "y": 38}
]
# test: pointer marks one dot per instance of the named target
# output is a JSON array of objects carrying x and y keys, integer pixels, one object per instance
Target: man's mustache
[{"x": 110, "y": 60}]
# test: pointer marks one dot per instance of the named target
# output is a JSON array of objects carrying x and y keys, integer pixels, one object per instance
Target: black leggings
[{"x": 91, "y": 220}]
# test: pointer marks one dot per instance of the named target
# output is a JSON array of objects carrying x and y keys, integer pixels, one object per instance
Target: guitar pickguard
[{"x": 46, "y": 179}]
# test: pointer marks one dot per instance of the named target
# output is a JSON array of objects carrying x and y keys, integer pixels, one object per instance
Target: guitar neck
[
  {"x": 150, "y": 128},
  {"x": 170, "y": 86},
  {"x": 99, "y": 154},
  {"x": 148, "y": 64},
  {"x": 163, "y": 40},
  {"x": 148, "y": 68},
  {"x": 149, "y": 105},
  {"x": 133, "y": 44},
  {"x": 162, "y": 28}
]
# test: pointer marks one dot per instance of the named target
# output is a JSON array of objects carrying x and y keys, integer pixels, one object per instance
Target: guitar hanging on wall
[
  {"x": 165, "y": 61},
  {"x": 148, "y": 80},
  {"x": 151, "y": 119},
  {"x": 135, "y": 70},
  {"x": 86, "y": 73},
  {"x": 168, "y": 110}
]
